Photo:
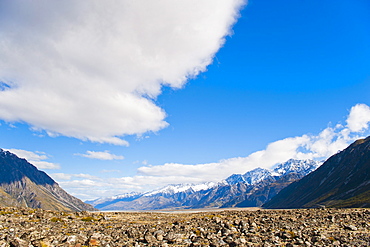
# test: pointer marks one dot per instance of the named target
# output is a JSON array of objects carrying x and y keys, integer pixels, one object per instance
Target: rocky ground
[{"x": 302, "y": 227}]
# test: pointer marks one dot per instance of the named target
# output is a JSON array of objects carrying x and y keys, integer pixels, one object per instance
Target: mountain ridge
[
  {"x": 342, "y": 181},
  {"x": 23, "y": 185}
]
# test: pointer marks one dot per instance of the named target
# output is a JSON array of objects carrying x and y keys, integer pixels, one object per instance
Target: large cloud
[{"x": 91, "y": 69}]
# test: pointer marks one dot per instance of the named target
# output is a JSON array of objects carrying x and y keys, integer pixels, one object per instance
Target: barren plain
[{"x": 257, "y": 227}]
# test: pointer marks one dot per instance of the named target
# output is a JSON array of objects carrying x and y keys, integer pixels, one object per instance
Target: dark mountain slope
[
  {"x": 265, "y": 190},
  {"x": 23, "y": 185},
  {"x": 342, "y": 181}
]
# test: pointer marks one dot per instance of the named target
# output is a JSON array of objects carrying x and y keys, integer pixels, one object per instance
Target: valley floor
[{"x": 298, "y": 227}]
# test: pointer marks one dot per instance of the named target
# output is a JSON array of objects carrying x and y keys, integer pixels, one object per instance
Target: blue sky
[{"x": 282, "y": 81}]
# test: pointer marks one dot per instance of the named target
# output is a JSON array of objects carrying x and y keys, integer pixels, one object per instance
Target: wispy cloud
[
  {"x": 108, "y": 171},
  {"x": 65, "y": 176},
  {"x": 328, "y": 142},
  {"x": 321, "y": 146},
  {"x": 91, "y": 69},
  {"x": 105, "y": 155},
  {"x": 35, "y": 158}
]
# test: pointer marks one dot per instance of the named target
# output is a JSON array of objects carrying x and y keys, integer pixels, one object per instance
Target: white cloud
[
  {"x": 65, "y": 176},
  {"x": 61, "y": 176},
  {"x": 359, "y": 118},
  {"x": 321, "y": 146},
  {"x": 45, "y": 165},
  {"x": 86, "y": 176},
  {"x": 91, "y": 69},
  {"x": 84, "y": 183},
  {"x": 35, "y": 158},
  {"x": 328, "y": 142},
  {"x": 109, "y": 171},
  {"x": 276, "y": 152},
  {"x": 106, "y": 155}
]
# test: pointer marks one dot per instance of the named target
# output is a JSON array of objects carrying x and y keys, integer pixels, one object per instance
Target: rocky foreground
[{"x": 301, "y": 227}]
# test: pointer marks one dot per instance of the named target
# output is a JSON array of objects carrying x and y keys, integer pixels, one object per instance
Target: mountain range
[
  {"x": 23, "y": 185},
  {"x": 253, "y": 188},
  {"x": 342, "y": 181}
]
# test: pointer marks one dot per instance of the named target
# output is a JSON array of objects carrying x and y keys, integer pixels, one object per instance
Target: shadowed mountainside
[
  {"x": 342, "y": 181},
  {"x": 23, "y": 185}
]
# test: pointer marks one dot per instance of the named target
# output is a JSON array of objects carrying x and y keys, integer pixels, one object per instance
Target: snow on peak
[
  {"x": 256, "y": 175},
  {"x": 251, "y": 177},
  {"x": 235, "y": 178},
  {"x": 177, "y": 188},
  {"x": 112, "y": 198},
  {"x": 126, "y": 195},
  {"x": 299, "y": 166}
]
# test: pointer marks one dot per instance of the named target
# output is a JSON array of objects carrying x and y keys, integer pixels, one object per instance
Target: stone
[
  {"x": 299, "y": 227},
  {"x": 149, "y": 238},
  {"x": 350, "y": 227},
  {"x": 159, "y": 235},
  {"x": 17, "y": 242}
]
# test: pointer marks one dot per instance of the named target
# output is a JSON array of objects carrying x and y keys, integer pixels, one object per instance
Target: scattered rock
[
  {"x": 350, "y": 227},
  {"x": 300, "y": 227}
]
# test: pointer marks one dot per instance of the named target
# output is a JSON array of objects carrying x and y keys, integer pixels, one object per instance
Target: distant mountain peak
[
  {"x": 177, "y": 188},
  {"x": 258, "y": 174},
  {"x": 232, "y": 191},
  {"x": 293, "y": 165}
]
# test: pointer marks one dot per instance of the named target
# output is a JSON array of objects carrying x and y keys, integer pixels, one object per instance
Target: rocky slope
[
  {"x": 23, "y": 185},
  {"x": 342, "y": 181},
  {"x": 301, "y": 227},
  {"x": 251, "y": 189}
]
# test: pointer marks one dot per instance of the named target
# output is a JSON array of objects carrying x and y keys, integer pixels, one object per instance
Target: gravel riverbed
[{"x": 299, "y": 227}]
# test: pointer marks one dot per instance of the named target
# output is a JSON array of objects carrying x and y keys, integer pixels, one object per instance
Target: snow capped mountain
[
  {"x": 108, "y": 200},
  {"x": 166, "y": 191},
  {"x": 177, "y": 188},
  {"x": 252, "y": 177},
  {"x": 250, "y": 189},
  {"x": 234, "y": 179},
  {"x": 256, "y": 175},
  {"x": 127, "y": 195},
  {"x": 298, "y": 166}
]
